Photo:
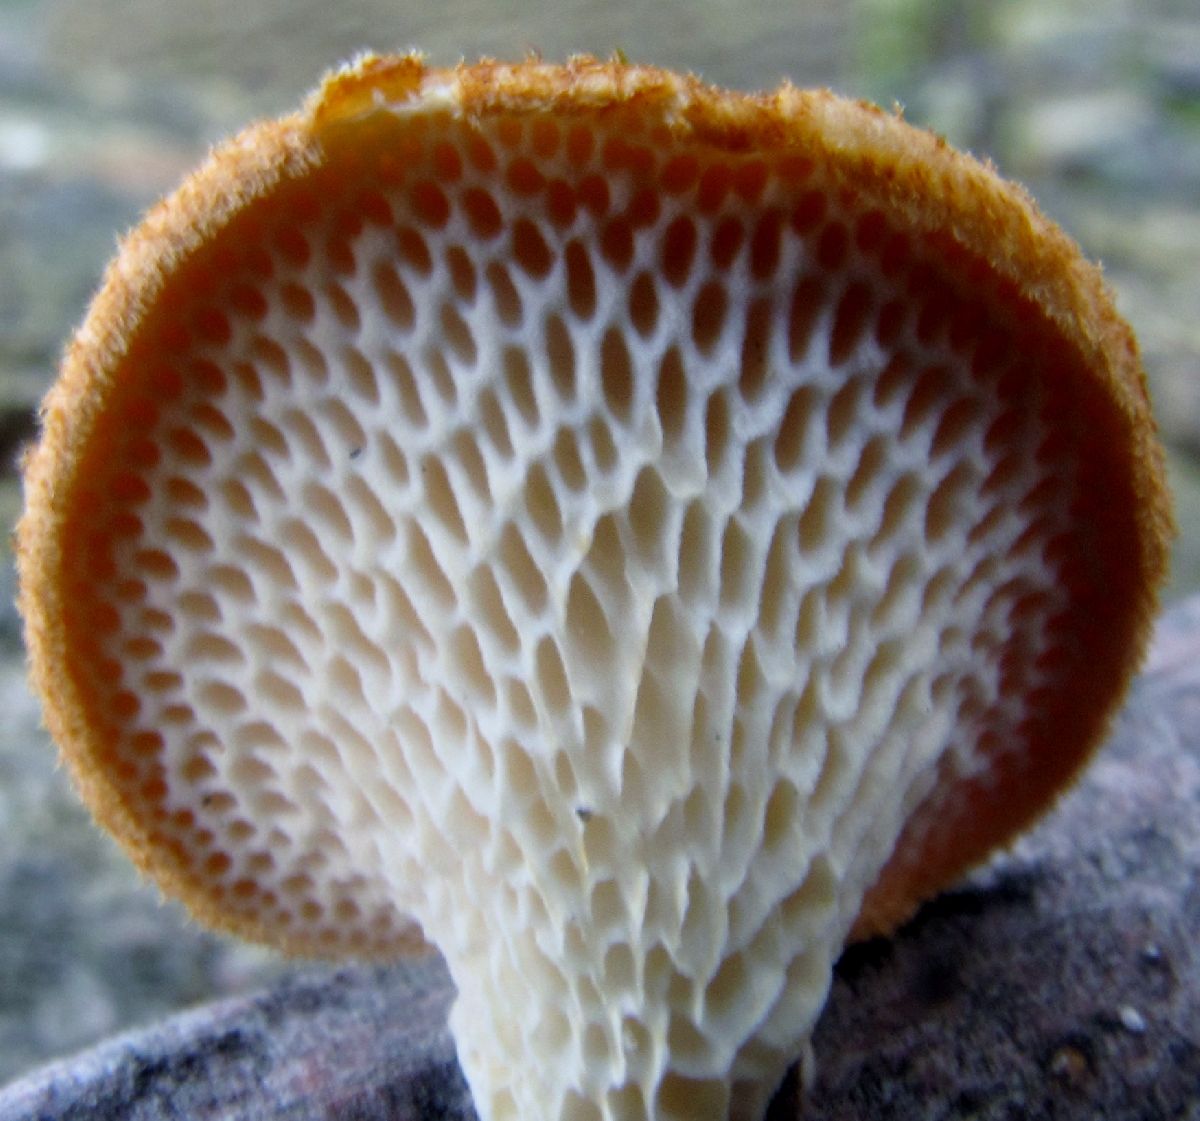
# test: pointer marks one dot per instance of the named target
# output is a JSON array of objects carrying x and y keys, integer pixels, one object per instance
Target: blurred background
[{"x": 105, "y": 104}]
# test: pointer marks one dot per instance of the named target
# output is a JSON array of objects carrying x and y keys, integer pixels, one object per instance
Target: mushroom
[{"x": 632, "y": 535}]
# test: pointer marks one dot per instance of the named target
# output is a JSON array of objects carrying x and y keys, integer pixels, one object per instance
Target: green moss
[
  {"x": 898, "y": 41},
  {"x": 1183, "y": 474},
  {"x": 10, "y": 510}
]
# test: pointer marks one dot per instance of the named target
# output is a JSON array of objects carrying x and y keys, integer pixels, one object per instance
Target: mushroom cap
[{"x": 634, "y": 534}]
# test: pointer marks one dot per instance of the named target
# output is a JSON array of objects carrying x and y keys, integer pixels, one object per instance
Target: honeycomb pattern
[{"x": 570, "y": 541}]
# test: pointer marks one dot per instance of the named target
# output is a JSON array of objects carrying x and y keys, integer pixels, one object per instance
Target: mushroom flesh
[{"x": 633, "y": 536}]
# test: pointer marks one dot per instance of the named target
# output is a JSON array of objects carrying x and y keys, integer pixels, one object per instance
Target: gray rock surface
[
  {"x": 1062, "y": 982},
  {"x": 84, "y": 949},
  {"x": 386, "y": 1055}
]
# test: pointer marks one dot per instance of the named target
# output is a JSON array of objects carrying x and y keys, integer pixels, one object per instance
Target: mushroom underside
[{"x": 591, "y": 549}]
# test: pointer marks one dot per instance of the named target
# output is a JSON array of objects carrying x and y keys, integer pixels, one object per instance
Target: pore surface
[{"x": 589, "y": 549}]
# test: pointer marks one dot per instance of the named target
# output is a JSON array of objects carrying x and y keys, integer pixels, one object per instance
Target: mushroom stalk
[{"x": 632, "y": 536}]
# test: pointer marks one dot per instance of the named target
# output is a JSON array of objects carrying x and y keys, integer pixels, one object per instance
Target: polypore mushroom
[{"x": 632, "y": 535}]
